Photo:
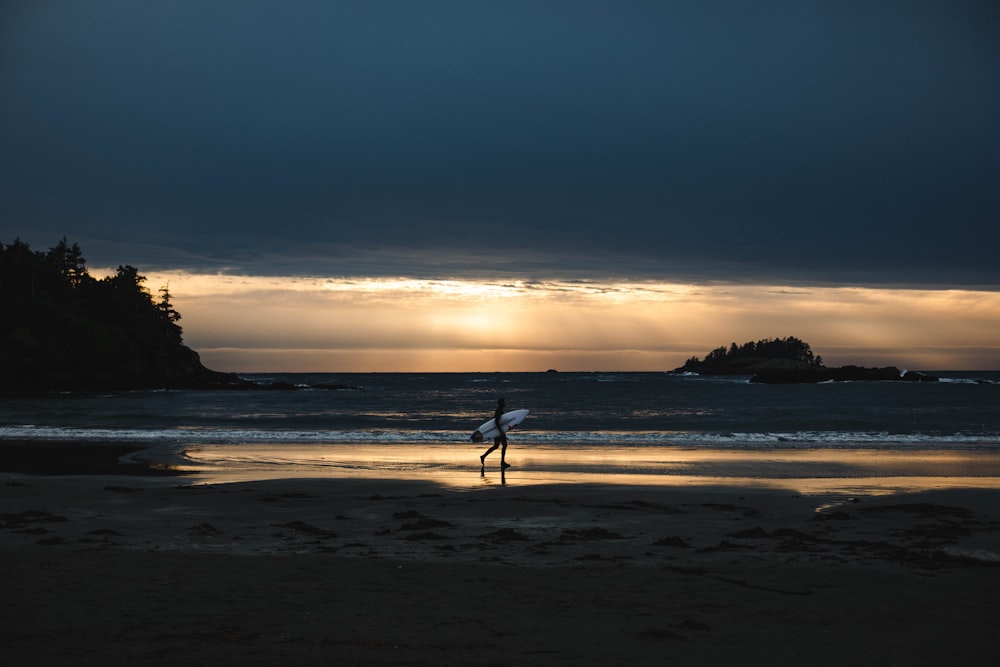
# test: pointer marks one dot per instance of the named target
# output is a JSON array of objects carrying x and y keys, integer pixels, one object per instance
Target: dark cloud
[{"x": 816, "y": 142}]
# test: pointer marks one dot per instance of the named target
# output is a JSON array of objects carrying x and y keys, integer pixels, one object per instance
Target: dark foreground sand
[{"x": 101, "y": 569}]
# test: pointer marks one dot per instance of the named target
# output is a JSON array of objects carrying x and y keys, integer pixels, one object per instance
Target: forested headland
[{"x": 64, "y": 330}]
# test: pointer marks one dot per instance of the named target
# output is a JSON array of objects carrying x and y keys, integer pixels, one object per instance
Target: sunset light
[{"x": 252, "y": 323}]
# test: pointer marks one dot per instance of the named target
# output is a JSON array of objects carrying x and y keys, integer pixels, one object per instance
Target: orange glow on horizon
[{"x": 273, "y": 324}]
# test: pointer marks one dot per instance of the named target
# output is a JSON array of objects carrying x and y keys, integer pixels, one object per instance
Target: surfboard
[{"x": 508, "y": 420}]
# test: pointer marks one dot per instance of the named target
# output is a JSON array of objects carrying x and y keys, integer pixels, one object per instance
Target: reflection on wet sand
[{"x": 806, "y": 471}]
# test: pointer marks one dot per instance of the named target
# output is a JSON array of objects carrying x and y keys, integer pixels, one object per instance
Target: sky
[{"x": 483, "y": 186}]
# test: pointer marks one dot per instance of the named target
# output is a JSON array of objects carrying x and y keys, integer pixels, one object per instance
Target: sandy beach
[{"x": 154, "y": 569}]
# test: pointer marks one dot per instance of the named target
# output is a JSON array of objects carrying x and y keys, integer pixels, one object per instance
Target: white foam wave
[{"x": 722, "y": 440}]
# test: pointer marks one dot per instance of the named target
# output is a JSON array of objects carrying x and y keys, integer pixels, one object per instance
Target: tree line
[
  {"x": 63, "y": 329},
  {"x": 739, "y": 357}
]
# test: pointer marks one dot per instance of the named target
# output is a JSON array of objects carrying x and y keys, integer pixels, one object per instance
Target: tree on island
[
  {"x": 63, "y": 329},
  {"x": 751, "y": 357},
  {"x": 788, "y": 361}
]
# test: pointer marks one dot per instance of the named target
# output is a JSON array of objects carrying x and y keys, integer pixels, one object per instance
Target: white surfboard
[{"x": 508, "y": 420}]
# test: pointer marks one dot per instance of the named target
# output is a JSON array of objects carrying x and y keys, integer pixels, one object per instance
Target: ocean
[{"x": 627, "y": 428}]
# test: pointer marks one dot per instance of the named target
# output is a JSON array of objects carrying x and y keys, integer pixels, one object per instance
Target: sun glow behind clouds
[{"x": 252, "y": 323}]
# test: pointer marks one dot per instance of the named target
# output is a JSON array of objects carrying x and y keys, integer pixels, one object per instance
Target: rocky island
[{"x": 788, "y": 361}]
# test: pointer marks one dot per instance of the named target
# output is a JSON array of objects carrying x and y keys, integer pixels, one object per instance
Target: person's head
[{"x": 500, "y": 402}]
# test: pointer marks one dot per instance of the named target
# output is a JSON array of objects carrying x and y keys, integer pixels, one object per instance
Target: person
[{"x": 499, "y": 440}]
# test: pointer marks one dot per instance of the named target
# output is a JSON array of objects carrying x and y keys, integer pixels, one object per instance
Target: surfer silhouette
[{"x": 497, "y": 441}]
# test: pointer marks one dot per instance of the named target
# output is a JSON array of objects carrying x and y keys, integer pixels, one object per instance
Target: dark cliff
[{"x": 63, "y": 330}]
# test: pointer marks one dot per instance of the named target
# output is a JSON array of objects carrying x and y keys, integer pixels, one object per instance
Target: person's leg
[
  {"x": 496, "y": 443},
  {"x": 503, "y": 454}
]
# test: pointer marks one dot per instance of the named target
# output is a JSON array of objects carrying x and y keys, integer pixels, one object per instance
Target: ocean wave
[{"x": 554, "y": 439}]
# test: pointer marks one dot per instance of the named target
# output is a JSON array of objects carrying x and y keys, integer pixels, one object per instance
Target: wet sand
[{"x": 163, "y": 570}]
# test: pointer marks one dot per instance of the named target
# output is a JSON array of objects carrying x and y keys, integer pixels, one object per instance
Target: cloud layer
[{"x": 830, "y": 143}]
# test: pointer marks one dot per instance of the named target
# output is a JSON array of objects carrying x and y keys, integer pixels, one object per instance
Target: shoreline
[
  {"x": 148, "y": 513},
  {"x": 62, "y": 457},
  {"x": 844, "y": 472},
  {"x": 152, "y": 570}
]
